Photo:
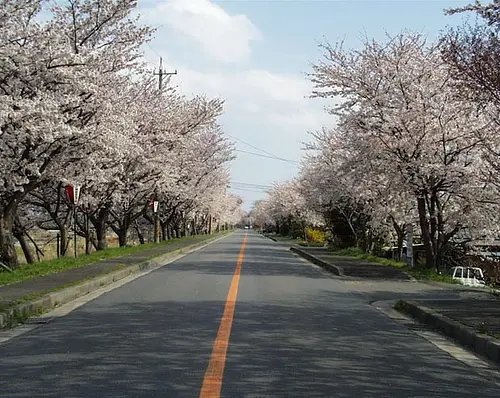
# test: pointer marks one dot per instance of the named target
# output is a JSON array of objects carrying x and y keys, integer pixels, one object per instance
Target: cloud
[
  {"x": 269, "y": 110},
  {"x": 224, "y": 37},
  {"x": 281, "y": 99}
]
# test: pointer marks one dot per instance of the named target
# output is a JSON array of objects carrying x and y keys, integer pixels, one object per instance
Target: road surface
[{"x": 294, "y": 331}]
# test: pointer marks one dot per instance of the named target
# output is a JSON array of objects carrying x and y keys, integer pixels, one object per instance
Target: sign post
[
  {"x": 154, "y": 204},
  {"x": 73, "y": 192}
]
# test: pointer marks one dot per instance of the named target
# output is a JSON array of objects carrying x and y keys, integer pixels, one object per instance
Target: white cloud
[
  {"x": 226, "y": 38},
  {"x": 278, "y": 98},
  {"x": 270, "y": 110}
]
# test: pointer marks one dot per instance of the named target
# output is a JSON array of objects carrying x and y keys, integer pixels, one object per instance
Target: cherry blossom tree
[
  {"x": 473, "y": 52},
  {"x": 54, "y": 82},
  {"x": 75, "y": 108},
  {"x": 401, "y": 113},
  {"x": 361, "y": 205},
  {"x": 262, "y": 215}
]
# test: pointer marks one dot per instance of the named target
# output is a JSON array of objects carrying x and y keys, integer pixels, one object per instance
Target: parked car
[{"x": 469, "y": 276}]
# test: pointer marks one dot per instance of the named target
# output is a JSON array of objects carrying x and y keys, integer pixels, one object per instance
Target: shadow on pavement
[
  {"x": 300, "y": 335},
  {"x": 310, "y": 348}
]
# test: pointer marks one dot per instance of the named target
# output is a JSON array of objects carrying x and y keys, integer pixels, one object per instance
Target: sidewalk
[
  {"x": 472, "y": 318},
  {"x": 37, "y": 286},
  {"x": 354, "y": 267},
  {"x": 481, "y": 314},
  {"x": 473, "y": 322}
]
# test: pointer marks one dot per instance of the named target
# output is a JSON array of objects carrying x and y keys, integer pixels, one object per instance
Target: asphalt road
[{"x": 296, "y": 332}]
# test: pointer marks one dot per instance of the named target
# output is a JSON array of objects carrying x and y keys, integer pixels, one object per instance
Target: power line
[
  {"x": 152, "y": 49},
  {"x": 271, "y": 155},
  {"x": 265, "y": 156},
  {"x": 249, "y": 190},
  {"x": 251, "y": 185},
  {"x": 253, "y": 146}
]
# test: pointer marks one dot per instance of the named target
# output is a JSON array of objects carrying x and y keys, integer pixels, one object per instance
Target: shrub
[{"x": 315, "y": 235}]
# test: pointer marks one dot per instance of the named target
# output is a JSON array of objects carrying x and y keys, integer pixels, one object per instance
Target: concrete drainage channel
[{"x": 28, "y": 312}]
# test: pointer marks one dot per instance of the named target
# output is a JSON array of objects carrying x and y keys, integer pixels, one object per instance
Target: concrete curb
[
  {"x": 481, "y": 344},
  {"x": 268, "y": 237},
  {"x": 410, "y": 277},
  {"x": 464, "y": 288},
  {"x": 334, "y": 269},
  {"x": 52, "y": 300}
]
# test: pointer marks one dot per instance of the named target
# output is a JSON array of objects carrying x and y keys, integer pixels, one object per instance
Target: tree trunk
[
  {"x": 433, "y": 228},
  {"x": 8, "y": 254},
  {"x": 93, "y": 240},
  {"x": 18, "y": 232},
  {"x": 100, "y": 225},
  {"x": 426, "y": 238},
  {"x": 139, "y": 233},
  {"x": 164, "y": 231},
  {"x": 88, "y": 242},
  {"x": 122, "y": 233},
  {"x": 401, "y": 239},
  {"x": 63, "y": 247},
  {"x": 100, "y": 230},
  {"x": 400, "y": 233}
]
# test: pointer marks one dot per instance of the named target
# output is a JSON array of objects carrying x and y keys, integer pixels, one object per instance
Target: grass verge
[
  {"x": 426, "y": 274},
  {"x": 19, "y": 317},
  {"x": 482, "y": 329},
  {"x": 30, "y": 271},
  {"x": 357, "y": 253},
  {"x": 423, "y": 274}
]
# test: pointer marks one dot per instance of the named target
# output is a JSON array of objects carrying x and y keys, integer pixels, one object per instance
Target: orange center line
[{"x": 212, "y": 382}]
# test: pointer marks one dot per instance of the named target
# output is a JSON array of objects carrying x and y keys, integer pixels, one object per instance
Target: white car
[{"x": 469, "y": 276}]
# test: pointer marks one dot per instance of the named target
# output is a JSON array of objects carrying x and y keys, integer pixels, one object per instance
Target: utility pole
[
  {"x": 161, "y": 74},
  {"x": 74, "y": 230}
]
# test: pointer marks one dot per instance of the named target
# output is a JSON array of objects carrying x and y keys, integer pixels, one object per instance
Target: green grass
[
  {"x": 482, "y": 329},
  {"x": 302, "y": 242},
  {"x": 427, "y": 274},
  {"x": 29, "y": 271},
  {"x": 419, "y": 273},
  {"x": 357, "y": 253}
]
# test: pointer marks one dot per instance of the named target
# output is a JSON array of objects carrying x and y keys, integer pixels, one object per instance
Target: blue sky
[{"x": 254, "y": 53}]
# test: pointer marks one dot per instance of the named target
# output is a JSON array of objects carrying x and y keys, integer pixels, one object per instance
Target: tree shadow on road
[{"x": 318, "y": 345}]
